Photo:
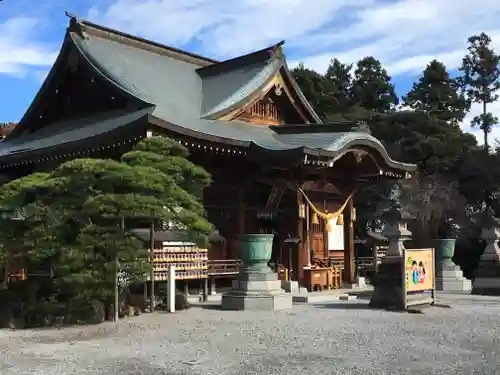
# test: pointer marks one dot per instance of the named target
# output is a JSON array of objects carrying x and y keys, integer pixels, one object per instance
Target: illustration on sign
[{"x": 419, "y": 270}]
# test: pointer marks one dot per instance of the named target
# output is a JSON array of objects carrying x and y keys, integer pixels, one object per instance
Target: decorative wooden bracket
[{"x": 274, "y": 199}]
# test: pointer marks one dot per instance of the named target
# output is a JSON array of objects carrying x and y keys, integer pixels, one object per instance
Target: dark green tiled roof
[
  {"x": 186, "y": 92},
  {"x": 70, "y": 131},
  {"x": 222, "y": 92}
]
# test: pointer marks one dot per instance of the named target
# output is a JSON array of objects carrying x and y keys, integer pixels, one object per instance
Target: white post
[
  {"x": 117, "y": 290},
  {"x": 171, "y": 289}
]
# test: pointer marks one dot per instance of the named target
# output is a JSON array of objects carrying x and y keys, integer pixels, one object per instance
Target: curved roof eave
[
  {"x": 178, "y": 129},
  {"x": 346, "y": 144},
  {"x": 49, "y": 79},
  {"x": 300, "y": 94},
  {"x": 365, "y": 143},
  {"x": 245, "y": 93},
  {"x": 68, "y": 43},
  {"x": 103, "y": 73},
  {"x": 304, "y": 149}
]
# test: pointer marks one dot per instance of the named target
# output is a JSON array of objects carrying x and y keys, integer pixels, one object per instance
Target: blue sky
[{"x": 404, "y": 34}]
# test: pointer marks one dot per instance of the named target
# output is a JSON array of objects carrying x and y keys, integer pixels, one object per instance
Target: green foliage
[
  {"x": 75, "y": 216},
  {"x": 438, "y": 95},
  {"x": 315, "y": 88},
  {"x": 428, "y": 134},
  {"x": 338, "y": 77},
  {"x": 372, "y": 88},
  {"x": 343, "y": 95},
  {"x": 481, "y": 79}
]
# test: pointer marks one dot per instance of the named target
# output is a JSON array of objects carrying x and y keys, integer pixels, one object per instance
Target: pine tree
[
  {"x": 438, "y": 95},
  {"x": 75, "y": 212},
  {"x": 339, "y": 77},
  {"x": 315, "y": 88},
  {"x": 481, "y": 80},
  {"x": 372, "y": 88}
]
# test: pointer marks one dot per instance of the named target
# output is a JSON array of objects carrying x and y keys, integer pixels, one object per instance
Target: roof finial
[
  {"x": 70, "y": 15},
  {"x": 276, "y": 51}
]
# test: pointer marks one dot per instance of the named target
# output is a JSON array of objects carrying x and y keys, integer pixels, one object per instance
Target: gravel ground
[{"x": 331, "y": 338}]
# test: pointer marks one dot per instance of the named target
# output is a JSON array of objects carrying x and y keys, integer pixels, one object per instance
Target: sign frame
[{"x": 418, "y": 297}]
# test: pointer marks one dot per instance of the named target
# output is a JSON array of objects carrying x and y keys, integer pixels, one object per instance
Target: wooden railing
[
  {"x": 226, "y": 267},
  {"x": 337, "y": 262},
  {"x": 365, "y": 262}
]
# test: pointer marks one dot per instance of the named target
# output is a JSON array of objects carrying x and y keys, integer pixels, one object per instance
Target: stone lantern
[
  {"x": 388, "y": 291},
  {"x": 487, "y": 280}
]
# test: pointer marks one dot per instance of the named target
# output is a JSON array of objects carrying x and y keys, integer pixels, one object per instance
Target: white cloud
[
  {"x": 18, "y": 51},
  {"x": 224, "y": 27},
  {"x": 477, "y": 109},
  {"x": 404, "y": 34}
]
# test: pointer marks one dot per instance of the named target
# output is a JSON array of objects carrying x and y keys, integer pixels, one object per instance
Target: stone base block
[
  {"x": 256, "y": 295},
  {"x": 322, "y": 297},
  {"x": 280, "y": 301},
  {"x": 487, "y": 280},
  {"x": 360, "y": 284},
  {"x": 387, "y": 298},
  {"x": 453, "y": 284},
  {"x": 293, "y": 287},
  {"x": 450, "y": 278},
  {"x": 256, "y": 286},
  {"x": 486, "y": 286},
  {"x": 449, "y": 274},
  {"x": 388, "y": 285}
]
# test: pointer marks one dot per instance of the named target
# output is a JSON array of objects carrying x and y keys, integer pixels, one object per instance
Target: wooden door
[{"x": 318, "y": 245}]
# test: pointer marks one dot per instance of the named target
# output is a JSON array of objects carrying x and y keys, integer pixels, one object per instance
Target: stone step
[{"x": 322, "y": 297}]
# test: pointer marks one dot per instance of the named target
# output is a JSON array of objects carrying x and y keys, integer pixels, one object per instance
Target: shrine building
[{"x": 276, "y": 168}]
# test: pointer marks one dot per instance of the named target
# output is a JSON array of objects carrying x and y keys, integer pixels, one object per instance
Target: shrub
[
  {"x": 82, "y": 311},
  {"x": 45, "y": 313}
]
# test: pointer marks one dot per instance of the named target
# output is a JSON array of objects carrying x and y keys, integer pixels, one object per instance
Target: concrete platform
[
  {"x": 320, "y": 297},
  {"x": 256, "y": 295},
  {"x": 257, "y": 302},
  {"x": 344, "y": 294}
]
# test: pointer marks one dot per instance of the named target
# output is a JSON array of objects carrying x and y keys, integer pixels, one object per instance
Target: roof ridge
[
  {"x": 120, "y": 36},
  {"x": 272, "y": 52}
]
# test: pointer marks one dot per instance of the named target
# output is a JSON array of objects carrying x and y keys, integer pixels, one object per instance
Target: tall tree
[
  {"x": 76, "y": 211},
  {"x": 481, "y": 80},
  {"x": 315, "y": 88},
  {"x": 340, "y": 83},
  {"x": 372, "y": 88},
  {"x": 437, "y": 94}
]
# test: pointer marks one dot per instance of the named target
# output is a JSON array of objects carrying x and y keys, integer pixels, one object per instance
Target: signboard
[
  {"x": 335, "y": 234},
  {"x": 419, "y": 276}
]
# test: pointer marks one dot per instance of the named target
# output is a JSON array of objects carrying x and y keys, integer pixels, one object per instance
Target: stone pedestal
[
  {"x": 256, "y": 287},
  {"x": 388, "y": 282},
  {"x": 359, "y": 284},
  {"x": 487, "y": 280},
  {"x": 293, "y": 287},
  {"x": 450, "y": 278}
]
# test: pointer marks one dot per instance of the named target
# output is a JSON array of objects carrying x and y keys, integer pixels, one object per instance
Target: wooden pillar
[
  {"x": 302, "y": 261},
  {"x": 349, "y": 255},
  {"x": 205, "y": 289},
  {"x": 241, "y": 209},
  {"x": 375, "y": 257},
  {"x": 325, "y": 232}
]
